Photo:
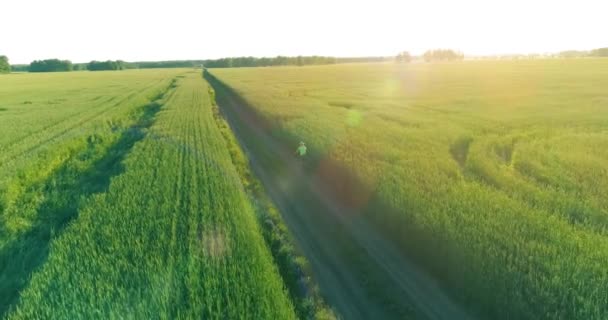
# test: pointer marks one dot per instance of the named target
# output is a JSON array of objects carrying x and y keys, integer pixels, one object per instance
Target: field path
[{"x": 361, "y": 275}]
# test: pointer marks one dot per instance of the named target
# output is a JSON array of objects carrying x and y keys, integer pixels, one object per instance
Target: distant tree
[
  {"x": 573, "y": 54},
  {"x": 79, "y": 66},
  {"x": 50, "y": 65},
  {"x": 601, "y": 52},
  {"x": 106, "y": 65},
  {"x": 442, "y": 55},
  {"x": 5, "y": 67},
  {"x": 428, "y": 56},
  {"x": 403, "y": 57},
  {"x": 20, "y": 67},
  {"x": 362, "y": 59},
  {"x": 163, "y": 64},
  {"x": 265, "y": 62}
]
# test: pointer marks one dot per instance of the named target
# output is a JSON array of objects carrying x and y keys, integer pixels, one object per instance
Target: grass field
[
  {"x": 492, "y": 175},
  {"x": 125, "y": 203}
]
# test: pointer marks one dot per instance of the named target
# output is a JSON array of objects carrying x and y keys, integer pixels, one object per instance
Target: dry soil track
[{"x": 361, "y": 275}]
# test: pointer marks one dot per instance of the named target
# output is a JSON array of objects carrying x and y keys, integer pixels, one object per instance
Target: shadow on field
[
  {"x": 63, "y": 192},
  {"x": 361, "y": 273}
]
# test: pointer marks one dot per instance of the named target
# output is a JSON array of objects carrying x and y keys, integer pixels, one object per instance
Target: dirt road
[{"x": 361, "y": 275}]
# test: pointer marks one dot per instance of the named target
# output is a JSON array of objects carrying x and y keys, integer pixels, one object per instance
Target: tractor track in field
[{"x": 360, "y": 273}]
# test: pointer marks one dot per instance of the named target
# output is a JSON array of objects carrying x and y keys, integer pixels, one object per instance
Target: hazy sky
[{"x": 187, "y": 29}]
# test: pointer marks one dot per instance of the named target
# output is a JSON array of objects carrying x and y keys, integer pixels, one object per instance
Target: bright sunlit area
[
  {"x": 326, "y": 160},
  {"x": 183, "y": 29}
]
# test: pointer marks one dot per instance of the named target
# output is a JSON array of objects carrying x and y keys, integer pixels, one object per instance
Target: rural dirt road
[{"x": 361, "y": 275}]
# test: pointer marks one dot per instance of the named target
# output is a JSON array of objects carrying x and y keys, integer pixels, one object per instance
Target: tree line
[
  {"x": 403, "y": 57},
  {"x": 600, "y": 52},
  {"x": 54, "y": 65},
  {"x": 268, "y": 62},
  {"x": 106, "y": 65},
  {"x": 50, "y": 65},
  {"x": 431, "y": 56},
  {"x": 167, "y": 64},
  {"x": 442, "y": 55}
]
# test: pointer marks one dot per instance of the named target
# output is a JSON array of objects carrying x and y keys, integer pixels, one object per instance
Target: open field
[
  {"x": 491, "y": 175},
  {"x": 137, "y": 210},
  {"x": 430, "y": 191},
  {"x": 56, "y": 125}
]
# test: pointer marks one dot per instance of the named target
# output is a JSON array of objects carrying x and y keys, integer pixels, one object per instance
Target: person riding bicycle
[{"x": 301, "y": 150}]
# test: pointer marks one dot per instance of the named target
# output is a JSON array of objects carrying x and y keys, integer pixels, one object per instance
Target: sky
[{"x": 129, "y": 30}]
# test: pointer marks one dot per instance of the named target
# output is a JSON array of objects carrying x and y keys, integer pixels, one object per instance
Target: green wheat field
[
  {"x": 125, "y": 195},
  {"x": 496, "y": 171}
]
